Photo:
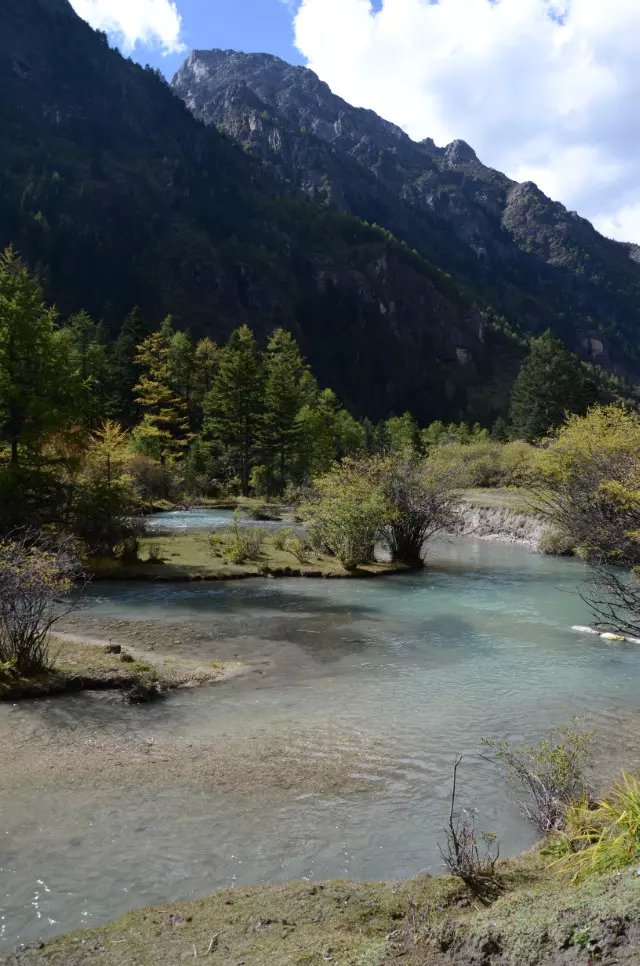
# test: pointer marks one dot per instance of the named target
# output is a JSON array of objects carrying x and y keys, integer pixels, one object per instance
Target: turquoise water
[{"x": 392, "y": 676}]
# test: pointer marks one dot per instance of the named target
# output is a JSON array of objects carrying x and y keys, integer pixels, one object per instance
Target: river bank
[
  {"x": 500, "y": 516},
  {"x": 539, "y": 919}
]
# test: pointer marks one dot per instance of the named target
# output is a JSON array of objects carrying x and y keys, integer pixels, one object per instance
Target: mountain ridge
[{"x": 516, "y": 250}]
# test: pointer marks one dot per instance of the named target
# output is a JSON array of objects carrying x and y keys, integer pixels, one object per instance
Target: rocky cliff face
[{"x": 513, "y": 248}]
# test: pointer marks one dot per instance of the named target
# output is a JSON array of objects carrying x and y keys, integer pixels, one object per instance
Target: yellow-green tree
[
  {"x": 164, "y": 432},
  {"x": 349, "y": 512},
  {"x": 104, "y": 496},
  {"x": 589, "y": 483}
]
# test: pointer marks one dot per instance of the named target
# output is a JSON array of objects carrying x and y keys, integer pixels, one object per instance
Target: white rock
[{"x": 584, "y": 630}]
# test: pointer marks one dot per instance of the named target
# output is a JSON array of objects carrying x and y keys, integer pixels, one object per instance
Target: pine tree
[
  {"x": 38, "y": 392},
  {"x": 283, "y": 400},
  {"x": 551, "y": 383},
  {"x": 205, "y": 365},
  {"x": 182, "y": 364},
  {"x": 164, "y": 430},
  {"x": 123, "y": 371},
  {"x": 234, "y": 406},
  {"x": 90, "y": 364}
]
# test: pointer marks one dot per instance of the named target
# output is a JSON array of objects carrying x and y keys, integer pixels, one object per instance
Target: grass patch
[
  {"x": 428, "y": 921},
  {"x": 87, "y": 667},
  {"x": 517, "y": 499},
  {"x": 187, "y": 556}
]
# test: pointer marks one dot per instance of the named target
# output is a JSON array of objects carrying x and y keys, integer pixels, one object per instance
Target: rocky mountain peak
[{"x": 459, "y": 152}]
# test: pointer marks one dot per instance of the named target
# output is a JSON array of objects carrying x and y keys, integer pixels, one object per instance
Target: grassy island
[
  {"x": 81, "y": 666},
  {"x": 188, "y": 556}
]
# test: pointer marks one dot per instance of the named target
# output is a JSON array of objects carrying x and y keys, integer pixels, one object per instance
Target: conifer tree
[
  {"x": 283, "y": 400},
  {"x": 90, "y": 365},
  {"x": 205, "y": 365},
  {"x": 551, "y": 383},
  {"x": 124, "y": 371},
  {"x": 233, "y": 407},
  {"x": 164, "y": 429},
  {"x": 38, "y": 391}
]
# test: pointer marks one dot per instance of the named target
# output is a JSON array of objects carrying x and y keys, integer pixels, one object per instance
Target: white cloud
[
  {"x": 132, "y": 22},
  {"x": 545, "y": 90}
]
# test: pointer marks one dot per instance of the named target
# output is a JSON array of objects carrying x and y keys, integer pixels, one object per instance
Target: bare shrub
[
  {"x": 422, "y": 498},
  {"x": 468, "y": 855},
  {"x": 614, "y": 598},
  {"x": 549, "y": 777},
  {"x": 34, "y": 576}
]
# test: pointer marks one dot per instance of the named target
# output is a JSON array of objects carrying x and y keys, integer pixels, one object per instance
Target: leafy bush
[
  {"x": 606, "y": 837},
  {"x": 348, "y": 514},
  {"x": 549, "y": 777},
  {"x": 129, "y": 549},
  {"x": 421, "y": 496},
  {"x": 300, "y": 549},
  {"x": 238, "y": 544},
  {"x": 263, "y": 511},
  {"x": 556, "y": 543},
  {"x": 282, "y": 537},
  {"x": 486, "y": 463}
]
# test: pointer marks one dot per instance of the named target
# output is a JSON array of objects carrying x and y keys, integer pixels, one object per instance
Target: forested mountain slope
[
  {"x": 117, "y": 196},
  {"x": 507, "y": 243}
]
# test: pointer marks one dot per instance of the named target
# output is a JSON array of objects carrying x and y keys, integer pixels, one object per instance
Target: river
[{"x": 333, "y": 757}]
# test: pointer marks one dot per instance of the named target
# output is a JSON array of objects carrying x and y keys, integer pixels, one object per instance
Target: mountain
[
  {"x": 512, "y": 249},
  {"x": 118, "y": 197}
]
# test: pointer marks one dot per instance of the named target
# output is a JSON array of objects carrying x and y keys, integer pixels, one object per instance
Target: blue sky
[{"x": 251, "y": 25}]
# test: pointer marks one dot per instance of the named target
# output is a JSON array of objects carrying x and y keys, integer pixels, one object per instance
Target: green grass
[
  {"x": 428, "y": 921},
  {"x": 80, "y": 667},
  {"x": 187, "y": 556}
]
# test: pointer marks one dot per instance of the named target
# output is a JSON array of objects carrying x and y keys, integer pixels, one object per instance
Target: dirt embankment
[{"x": 502, "y": 516}]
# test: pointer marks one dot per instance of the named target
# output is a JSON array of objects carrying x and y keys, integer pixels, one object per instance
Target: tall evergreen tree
[
  {"x": 551, "y": 383},
  {"x": 164, "y": 430},
  {"x": 124, "y": 370},
  {"x": 283, "y": 398},
  {"x": 90, "y": 364},
  {"x": 38, "y": 392},
  {"x": 234, "y": 405}
]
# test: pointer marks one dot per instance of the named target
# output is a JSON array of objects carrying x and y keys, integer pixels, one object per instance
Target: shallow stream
[{"x": 384, "y": 681}]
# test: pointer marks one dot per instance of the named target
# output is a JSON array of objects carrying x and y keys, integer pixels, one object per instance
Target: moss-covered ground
[
  {"x": 432, "y": 921},
  {"x": 79, "y": 666}
]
